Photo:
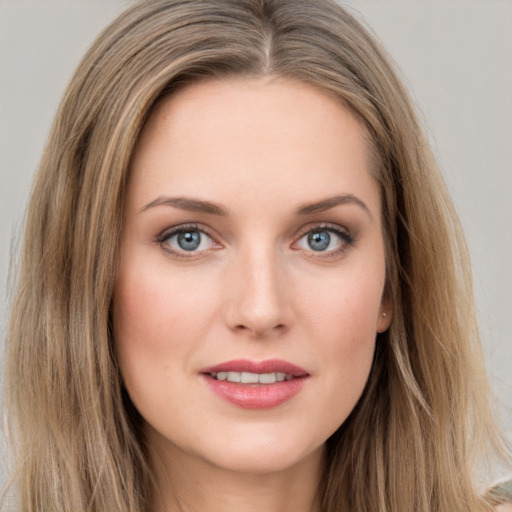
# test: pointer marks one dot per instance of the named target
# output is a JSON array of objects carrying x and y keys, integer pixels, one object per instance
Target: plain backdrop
[{"x": 456, "y": 58}]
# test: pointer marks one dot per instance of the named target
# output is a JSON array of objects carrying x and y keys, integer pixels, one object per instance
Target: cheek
[
  {"x": 348, "y": 337},
  {"x": 142, "y": 314},
  {"x": 342, "y": 318},
  {"x": 152, "y": 302},
  {"x": 157, "y": 321},
  {"x": 346, "y": 306},
  {"x": 139, "y": 332}
]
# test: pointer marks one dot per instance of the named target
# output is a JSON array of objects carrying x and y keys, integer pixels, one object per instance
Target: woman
[{"x": 243, "y": 281}]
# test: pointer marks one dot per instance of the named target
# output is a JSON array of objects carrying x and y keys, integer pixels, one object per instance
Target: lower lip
[{"x": 256, "y": 396}]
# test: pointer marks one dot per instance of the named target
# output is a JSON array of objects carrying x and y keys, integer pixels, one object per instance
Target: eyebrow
[
  {"x": 331, "y": 202},
  {"x": 201, "y": 206},
  {"x": 188, "y": 204}
]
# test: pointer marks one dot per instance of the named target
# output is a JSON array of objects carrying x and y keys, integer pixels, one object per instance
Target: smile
[
  {"x": 252, "y": 378},
  {"x": 255, "y": 385}
]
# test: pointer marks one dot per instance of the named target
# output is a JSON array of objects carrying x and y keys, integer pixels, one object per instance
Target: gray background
[{"x": 456, "y": 57}]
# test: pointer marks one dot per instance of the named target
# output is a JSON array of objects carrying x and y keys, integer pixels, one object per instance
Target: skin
[{"x": 254, "y": 289}]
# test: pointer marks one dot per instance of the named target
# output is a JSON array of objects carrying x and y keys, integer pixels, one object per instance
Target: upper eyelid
[
  {"x": 205, "y": 229},
  {"x": 171, "y": 231},
  {"x": 168, "y": 232},
  {"x": 181, "y": 254},
  {"x": 347, "y": 238},
  {"x": 328, "y": 226}
]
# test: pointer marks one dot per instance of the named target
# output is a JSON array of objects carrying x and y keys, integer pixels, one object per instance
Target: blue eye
[
  {"x": 184, "y": 240},
  {"x": 189, "y": 240},
  {"x": 328, "y": 240},
  {"x": 319, "y": 240}
]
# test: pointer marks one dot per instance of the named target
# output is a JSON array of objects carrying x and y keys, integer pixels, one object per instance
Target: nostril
[{"x": 279, "y": 328}]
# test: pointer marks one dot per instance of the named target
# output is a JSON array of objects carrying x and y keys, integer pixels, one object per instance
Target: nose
[{"x": 258, "y": 302}]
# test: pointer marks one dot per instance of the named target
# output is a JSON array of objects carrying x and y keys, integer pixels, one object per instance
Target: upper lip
[{"x": 266, "y": 366}]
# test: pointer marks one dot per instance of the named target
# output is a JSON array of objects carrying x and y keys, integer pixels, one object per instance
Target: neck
[{"x": 183, "y": 484}]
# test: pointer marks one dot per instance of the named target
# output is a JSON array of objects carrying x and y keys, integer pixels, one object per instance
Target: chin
[{"x": 263, "y": 456}]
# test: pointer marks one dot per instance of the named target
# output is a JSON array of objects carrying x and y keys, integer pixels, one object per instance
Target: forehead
[{"x": 245, "y": 137}]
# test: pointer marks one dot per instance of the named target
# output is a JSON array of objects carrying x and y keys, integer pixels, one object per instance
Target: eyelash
[
  {"x": 166, "y": 235},
  {"x": 346, "y": 238}
]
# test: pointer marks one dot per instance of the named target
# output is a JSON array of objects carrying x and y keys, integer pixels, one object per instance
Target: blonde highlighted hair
[{"x": 423, "y": 425}]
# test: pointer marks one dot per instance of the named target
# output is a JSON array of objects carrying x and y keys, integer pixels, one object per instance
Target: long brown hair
[{"x": 423, "y": 425}]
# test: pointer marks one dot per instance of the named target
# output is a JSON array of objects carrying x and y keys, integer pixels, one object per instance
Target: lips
[{"x": 255, "y": 384}]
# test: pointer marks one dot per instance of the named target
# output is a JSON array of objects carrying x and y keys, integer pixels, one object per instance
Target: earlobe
[{"x": 385, "y": 315}]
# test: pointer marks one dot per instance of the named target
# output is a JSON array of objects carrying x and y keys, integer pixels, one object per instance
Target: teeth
[
  {"x": 233, "y": 377},
  {"x": 267, "y": 378},
  {"x": 252, "y": 378},
  {"x": 249, "y": 378}
]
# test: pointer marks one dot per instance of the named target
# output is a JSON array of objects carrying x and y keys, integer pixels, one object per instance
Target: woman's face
[{"x": 252, "y": 274}]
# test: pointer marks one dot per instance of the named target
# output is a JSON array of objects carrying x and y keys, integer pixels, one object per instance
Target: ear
[{"x": 385, "y": 313}]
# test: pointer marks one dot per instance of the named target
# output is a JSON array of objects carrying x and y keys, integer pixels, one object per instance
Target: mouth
[
  {"x": 256, "y": 385},
  {"x": 251, "y": 378},
  {"x": 245, "y": 371}
]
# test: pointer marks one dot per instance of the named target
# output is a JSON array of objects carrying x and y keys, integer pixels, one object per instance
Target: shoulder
[
  {"x": 504, "y": 507},
  {"x": 501, "y": 496}
]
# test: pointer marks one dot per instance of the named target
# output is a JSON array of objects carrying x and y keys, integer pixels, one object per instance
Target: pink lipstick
[{"x": 255, "y": 384}]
